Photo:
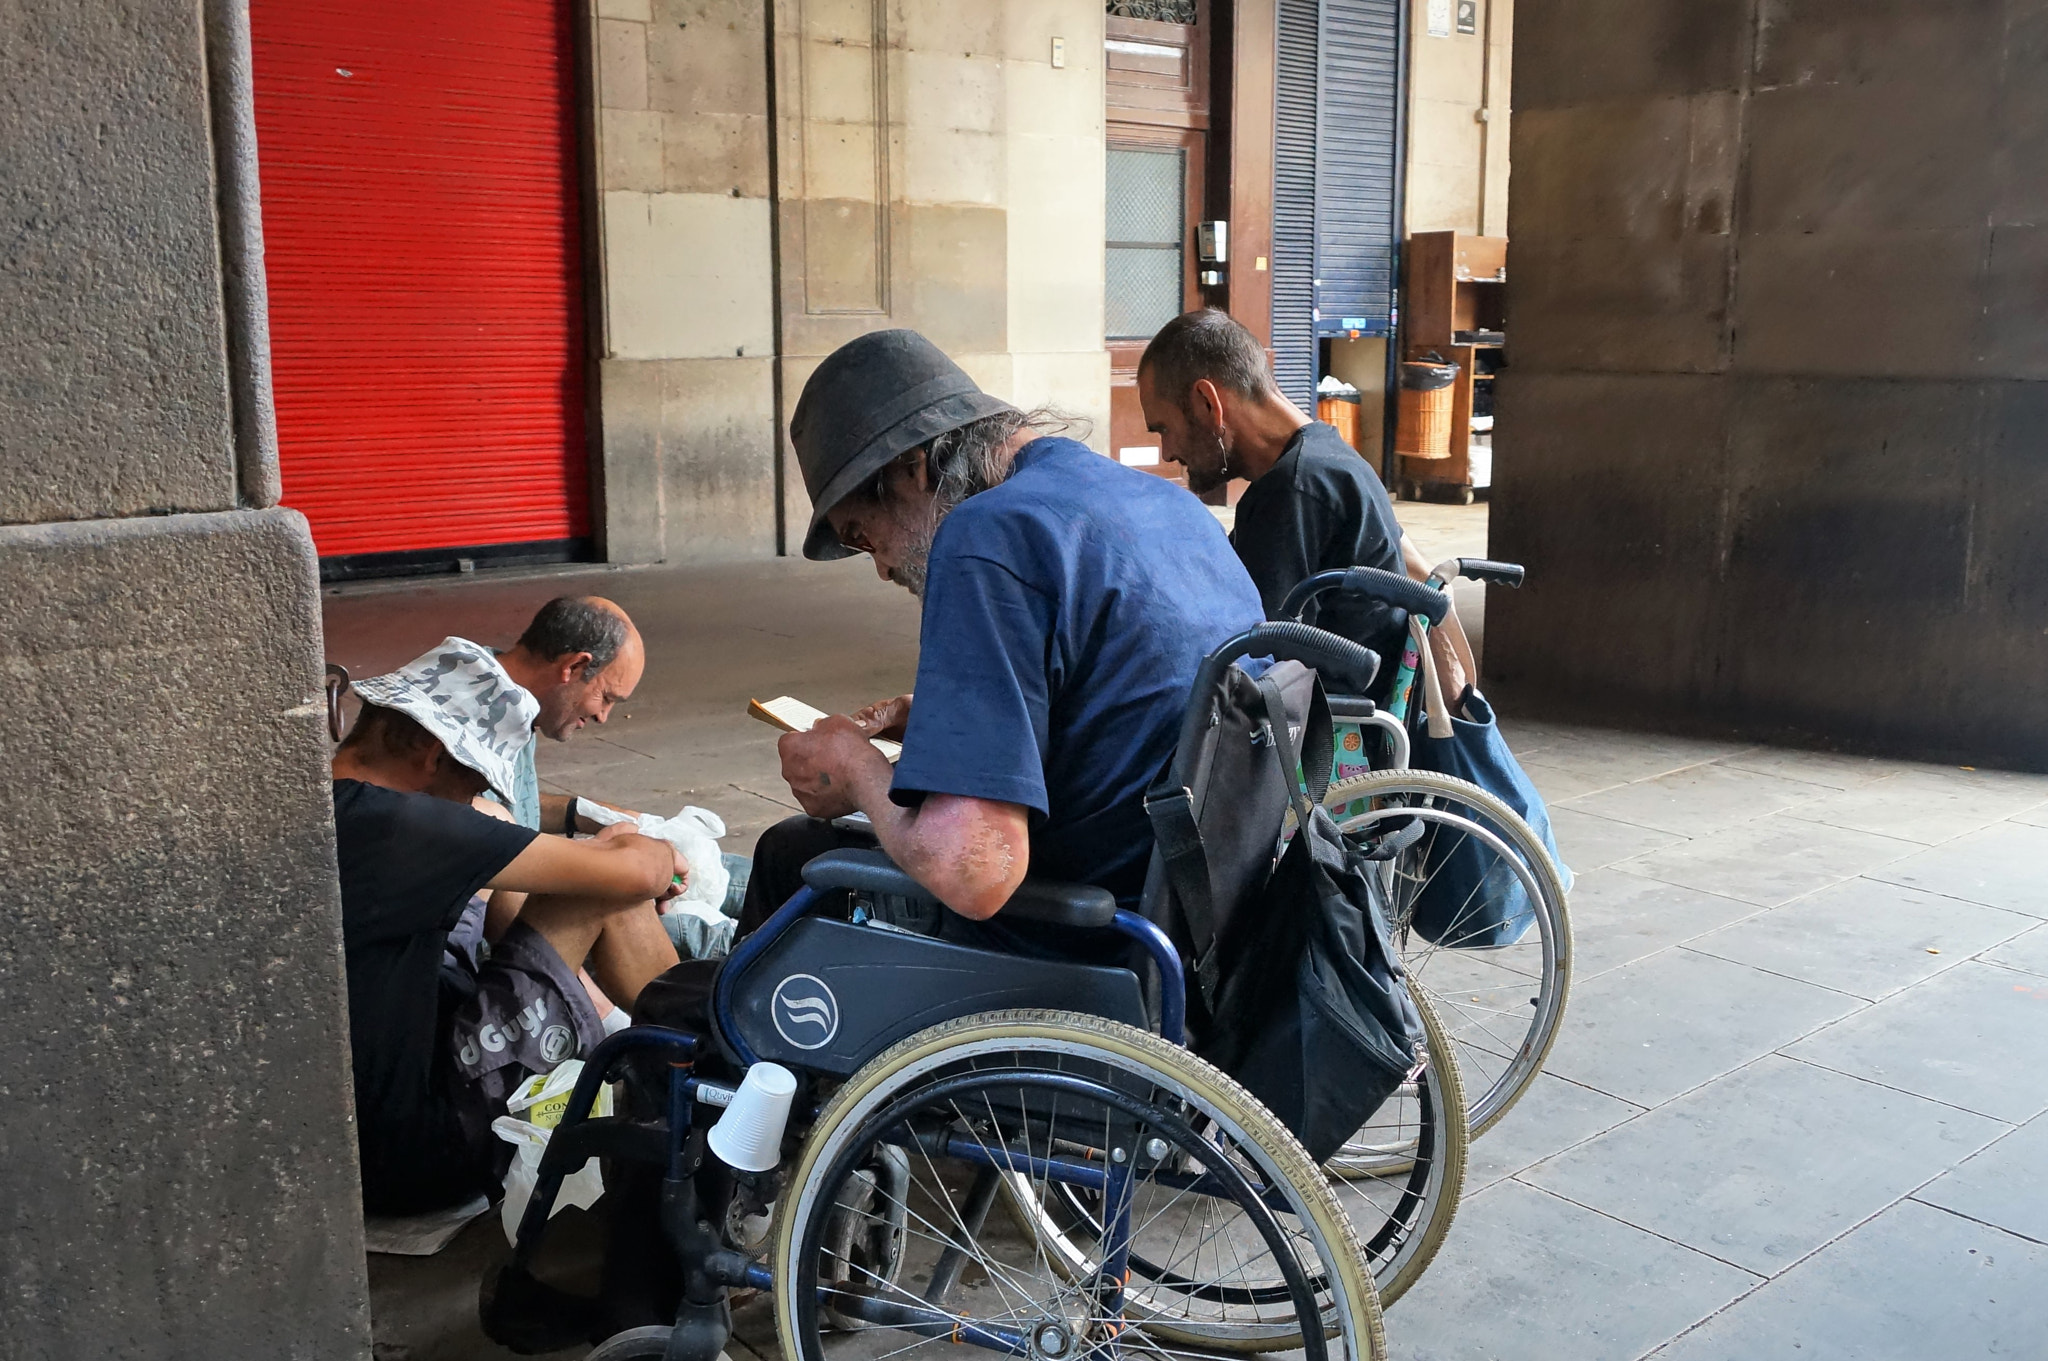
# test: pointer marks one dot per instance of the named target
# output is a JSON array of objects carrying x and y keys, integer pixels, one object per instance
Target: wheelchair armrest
[
  {"x": 862, "y": 871},
  {"x": 1061, "y": 904},
  {"x": 1036, "y": 900}
]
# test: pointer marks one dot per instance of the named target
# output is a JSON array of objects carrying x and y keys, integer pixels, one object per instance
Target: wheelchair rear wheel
[
  {"x": 1477, "y": 912},
  {"x": 1212, "y": 1228},
  {"x": 1400, "y": 1180}
]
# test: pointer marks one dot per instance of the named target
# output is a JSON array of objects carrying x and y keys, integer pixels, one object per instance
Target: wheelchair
[
  {"x": 1148, "y": 1201},
  {"x": 1497, "y": 976}
]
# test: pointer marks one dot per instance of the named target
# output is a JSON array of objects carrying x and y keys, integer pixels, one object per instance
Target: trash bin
[
  {"x": 1340, "y": 409},
  {"x": 1423, "y": 429}
]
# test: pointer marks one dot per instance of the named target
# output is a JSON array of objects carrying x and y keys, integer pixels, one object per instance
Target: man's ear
[
  {"x": 1206, "y": 404},
  {"x": 571, "y": 667}
]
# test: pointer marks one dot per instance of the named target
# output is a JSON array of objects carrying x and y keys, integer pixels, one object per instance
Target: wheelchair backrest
[{"x": 827, "y": 995}]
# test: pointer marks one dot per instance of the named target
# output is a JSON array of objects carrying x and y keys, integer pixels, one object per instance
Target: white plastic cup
[{"x": 749, "y": 1135}]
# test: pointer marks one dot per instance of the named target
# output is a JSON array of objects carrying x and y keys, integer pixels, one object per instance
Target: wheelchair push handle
[
  {"x": 1326, "y": 652},
  {"x": 1388, "y": 587},
  {"x": 1491, "y": 572}
]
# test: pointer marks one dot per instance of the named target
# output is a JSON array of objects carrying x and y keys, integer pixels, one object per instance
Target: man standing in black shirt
[
  {"x": 438, "y": 1040},
  {"x": 1313, "y": 504}
]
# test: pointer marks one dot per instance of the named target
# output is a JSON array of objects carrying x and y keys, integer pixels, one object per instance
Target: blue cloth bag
[{"x": 1470, "y": 900}]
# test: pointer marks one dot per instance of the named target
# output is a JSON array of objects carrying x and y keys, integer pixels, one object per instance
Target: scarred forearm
[{"x": 971, "y": 853}]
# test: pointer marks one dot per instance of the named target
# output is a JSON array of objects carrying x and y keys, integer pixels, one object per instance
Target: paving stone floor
[{"x": 1797, "y": 1107}]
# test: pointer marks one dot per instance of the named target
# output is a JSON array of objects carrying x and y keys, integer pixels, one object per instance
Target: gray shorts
[{"x": 529, "y": 1015}]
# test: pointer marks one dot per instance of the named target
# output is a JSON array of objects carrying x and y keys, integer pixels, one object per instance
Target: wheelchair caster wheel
[{"x": 635, "y": 1344}]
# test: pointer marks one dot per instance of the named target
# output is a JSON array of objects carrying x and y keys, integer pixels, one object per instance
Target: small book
[{"x": 793, "y": 715}]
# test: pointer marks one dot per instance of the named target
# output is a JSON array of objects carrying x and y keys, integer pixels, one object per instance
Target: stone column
[{"x": 177, "y": 1157}]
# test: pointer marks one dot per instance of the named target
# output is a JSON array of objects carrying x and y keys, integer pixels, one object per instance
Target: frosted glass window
[{"x": 1147, "y": 231}]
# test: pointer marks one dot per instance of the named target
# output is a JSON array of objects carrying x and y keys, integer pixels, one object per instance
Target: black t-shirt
[
  {"x": 409, "y": 863},
  {"x": 1318, "y": 508}
]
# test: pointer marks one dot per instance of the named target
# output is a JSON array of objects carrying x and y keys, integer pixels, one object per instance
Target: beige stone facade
[
  {"x": 931, "y": 169},
  {"x": 776, "y": 177},
  {"x": 1458, "y": 122}
]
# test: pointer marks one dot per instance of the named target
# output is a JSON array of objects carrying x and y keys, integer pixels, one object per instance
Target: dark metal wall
[
  {"x": 1336, "y": 179},
  {"x": 1773, "y": 441}
]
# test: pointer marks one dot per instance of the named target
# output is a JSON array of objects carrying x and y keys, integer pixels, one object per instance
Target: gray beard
[{"x": 910, "y": 573}]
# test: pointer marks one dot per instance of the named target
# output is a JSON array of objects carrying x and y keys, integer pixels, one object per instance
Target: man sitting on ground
[
  {"x": 436, "y": 1046},
  {"x": 1067, "y": 604},
  {"x": 579, "y": 658},
  {"x": 1313, "y": 504}
]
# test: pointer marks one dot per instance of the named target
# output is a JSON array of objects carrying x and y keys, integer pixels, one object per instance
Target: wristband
[{"x": 569, "y": 815}]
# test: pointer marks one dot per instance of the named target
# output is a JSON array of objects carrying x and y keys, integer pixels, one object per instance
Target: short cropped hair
[
  {"x": 1206, "y": 343},
  {"x": 387, "y": 732},
  {"x": 574, "y": 624}
]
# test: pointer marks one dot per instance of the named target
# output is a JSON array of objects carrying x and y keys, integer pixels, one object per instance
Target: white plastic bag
[
  {"x": 694, "y": 832},
  {"x": 543, "y": 1097}
]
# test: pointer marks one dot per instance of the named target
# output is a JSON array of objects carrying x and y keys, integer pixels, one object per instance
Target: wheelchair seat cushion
[{"x": 680, "y": 997}]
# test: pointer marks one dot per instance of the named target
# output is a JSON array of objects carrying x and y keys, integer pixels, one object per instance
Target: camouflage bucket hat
[{"x": 460, "y": 694}]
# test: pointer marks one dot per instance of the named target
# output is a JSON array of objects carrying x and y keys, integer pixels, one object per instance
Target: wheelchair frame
[
  {"x": 579, "y": 1136},
  {"x": 710, "y": 1268}
]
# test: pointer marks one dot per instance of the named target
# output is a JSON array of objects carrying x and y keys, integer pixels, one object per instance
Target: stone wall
[
  {"x": 177, "y": 1160},
  {"x": 687, "y": 378},
  {"x": 938, "y": 173},
  {"x": 931, "y": 169},
  {"x": 1770, "y": 444},
  {"x": 1457, "y": 159}
]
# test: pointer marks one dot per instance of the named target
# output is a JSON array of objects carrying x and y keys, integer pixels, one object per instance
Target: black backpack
[{"x": 1294, "y": 987}]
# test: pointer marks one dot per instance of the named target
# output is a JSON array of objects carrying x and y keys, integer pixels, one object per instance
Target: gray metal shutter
[
  {"x": 1296, "y": 99},
  {"x": 1360, "y": 89}
]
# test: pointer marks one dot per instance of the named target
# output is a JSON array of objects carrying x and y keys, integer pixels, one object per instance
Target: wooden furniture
[{"x": 1454, "y": 302}]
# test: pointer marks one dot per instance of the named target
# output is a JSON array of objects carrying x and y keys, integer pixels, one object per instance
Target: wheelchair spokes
[
  {"x": 1140, "y": 1222},
  {"x": 1479, "y": 918}
]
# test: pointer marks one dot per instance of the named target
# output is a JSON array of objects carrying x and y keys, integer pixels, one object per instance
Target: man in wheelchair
[{"x": 1068, "y": 601}]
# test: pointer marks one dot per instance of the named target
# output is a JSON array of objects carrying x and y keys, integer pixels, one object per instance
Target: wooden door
[{"x": 1157, "y": 83}]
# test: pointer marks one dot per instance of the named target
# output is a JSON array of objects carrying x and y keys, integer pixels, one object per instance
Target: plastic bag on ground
[{"x": 542, "y": 1099}]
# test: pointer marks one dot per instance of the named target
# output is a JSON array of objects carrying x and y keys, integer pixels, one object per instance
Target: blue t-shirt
[{"x": 1065, "y": 614}]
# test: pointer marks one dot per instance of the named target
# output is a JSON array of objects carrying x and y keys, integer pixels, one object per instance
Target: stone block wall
[
  {"x": 1458, "y": 107},
  {"x": 1772, "y": 428},
  {"x": 177, "y": 1151},
  {"x": 686, "y": 381},
  {"x": 930, "y": 169}
]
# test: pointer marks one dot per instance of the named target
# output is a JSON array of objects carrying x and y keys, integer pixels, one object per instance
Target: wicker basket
[{"x": 1423, "y": 428}]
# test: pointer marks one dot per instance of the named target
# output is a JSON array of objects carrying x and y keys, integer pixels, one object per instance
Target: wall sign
[
  {"x": 1439, "y": 18},
  {"x": 1468, "y": 16}
]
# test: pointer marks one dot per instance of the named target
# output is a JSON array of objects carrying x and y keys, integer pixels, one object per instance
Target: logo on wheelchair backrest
[{"x": 805, "y": 1011}]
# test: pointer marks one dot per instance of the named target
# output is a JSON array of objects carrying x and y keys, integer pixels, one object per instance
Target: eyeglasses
[{"x": 857, "y": 541}]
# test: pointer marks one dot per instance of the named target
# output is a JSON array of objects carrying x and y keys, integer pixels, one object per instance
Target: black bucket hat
[{"x": 873, "y": 400}]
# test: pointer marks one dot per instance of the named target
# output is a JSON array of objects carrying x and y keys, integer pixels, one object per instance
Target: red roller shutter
[{"x": 420, "y": 229}]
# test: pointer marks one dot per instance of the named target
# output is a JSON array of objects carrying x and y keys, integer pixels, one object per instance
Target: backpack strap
[
  {"x": 1312, "y": 759},
  {"x": 1172, "y": 812}
]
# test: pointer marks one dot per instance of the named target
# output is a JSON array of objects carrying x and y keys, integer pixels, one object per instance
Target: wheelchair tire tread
[{"x": 1457, "y": 1143}]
